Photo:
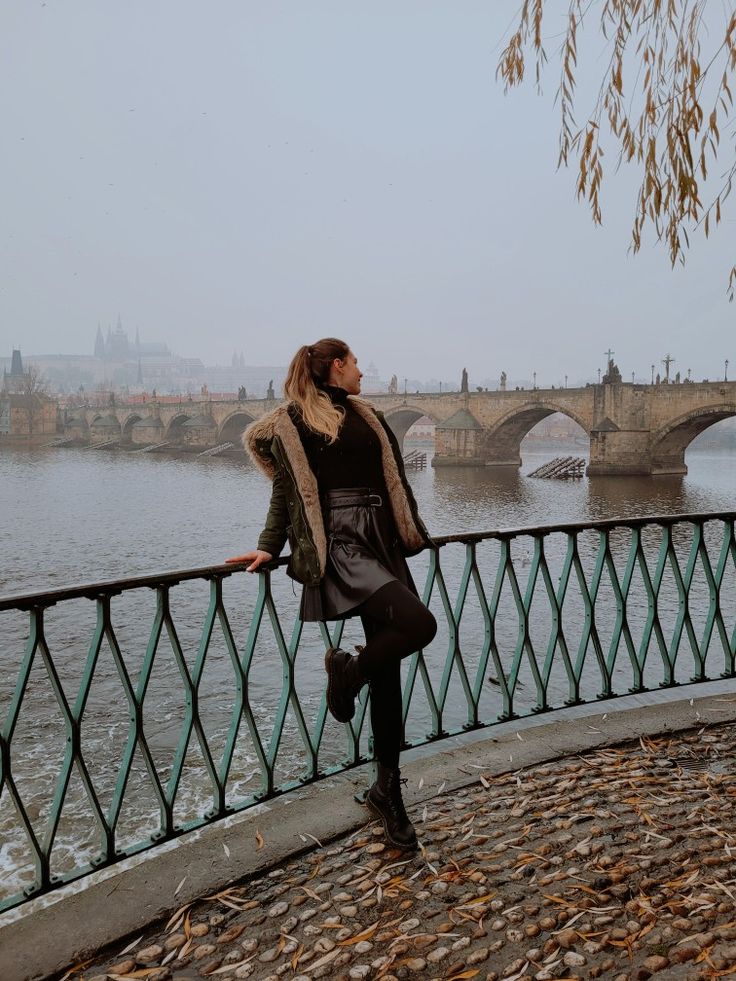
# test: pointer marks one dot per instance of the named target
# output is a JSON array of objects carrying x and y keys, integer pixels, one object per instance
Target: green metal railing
[{"x": 531, "y": 619}]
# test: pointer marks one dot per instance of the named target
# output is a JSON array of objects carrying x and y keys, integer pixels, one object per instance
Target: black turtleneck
[{"x": 353, "y": 460}]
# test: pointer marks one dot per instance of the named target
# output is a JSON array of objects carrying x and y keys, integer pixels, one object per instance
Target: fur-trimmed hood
[{"x": 258, "y": 439}]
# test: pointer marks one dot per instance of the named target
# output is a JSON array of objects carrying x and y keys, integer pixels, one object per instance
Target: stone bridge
[{"x": 633, "y": 429}]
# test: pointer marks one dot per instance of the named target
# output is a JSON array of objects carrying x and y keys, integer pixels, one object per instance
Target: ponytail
[{"x": 308, "y": 371}]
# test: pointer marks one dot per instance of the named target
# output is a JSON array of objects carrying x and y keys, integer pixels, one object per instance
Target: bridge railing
[{"x": 136, "y": 710}]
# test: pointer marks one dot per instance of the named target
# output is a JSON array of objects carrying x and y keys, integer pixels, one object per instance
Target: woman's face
[{"x": 346, "y": 374}]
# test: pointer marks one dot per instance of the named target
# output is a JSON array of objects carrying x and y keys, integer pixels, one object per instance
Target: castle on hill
[{"x": 117, "y": 347}]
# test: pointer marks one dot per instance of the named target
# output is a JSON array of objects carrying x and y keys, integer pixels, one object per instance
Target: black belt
[{"x": 349, "y": 497}]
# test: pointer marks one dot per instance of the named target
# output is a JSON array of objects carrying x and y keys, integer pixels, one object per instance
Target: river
[
  {"x": 80, "y": 515},
  {"x": 72, "y": 516}
]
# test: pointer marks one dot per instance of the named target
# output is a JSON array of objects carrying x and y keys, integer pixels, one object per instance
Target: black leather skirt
[{"x": 363, "y": 554}]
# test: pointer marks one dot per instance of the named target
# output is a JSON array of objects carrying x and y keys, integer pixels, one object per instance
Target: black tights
[{"x": 396, "y": 624}]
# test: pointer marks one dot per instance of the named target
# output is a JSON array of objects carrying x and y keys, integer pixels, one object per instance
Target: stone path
[{"x": 614, "y": 864}]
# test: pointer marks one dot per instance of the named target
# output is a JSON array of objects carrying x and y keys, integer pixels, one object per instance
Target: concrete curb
[{"x": 51, "y": 933}]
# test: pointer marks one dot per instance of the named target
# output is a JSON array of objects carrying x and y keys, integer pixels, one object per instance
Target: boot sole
[
  {"x": 328, "y": 659},
  {"x": 397, "y": 844}
]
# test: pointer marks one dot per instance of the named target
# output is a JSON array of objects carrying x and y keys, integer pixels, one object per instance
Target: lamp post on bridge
[
  {"x": 652, "y": 374},
  {"x": 725, "y": 371},
  {"x": 565, "y": 381},
  {"x": 534, "y": 375}
]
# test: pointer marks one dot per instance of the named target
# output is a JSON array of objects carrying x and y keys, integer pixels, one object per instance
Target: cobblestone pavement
[{"x": 612, "y": 864}]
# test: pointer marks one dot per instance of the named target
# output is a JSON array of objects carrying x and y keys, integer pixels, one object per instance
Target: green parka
[{"x": 295, "y": 512}]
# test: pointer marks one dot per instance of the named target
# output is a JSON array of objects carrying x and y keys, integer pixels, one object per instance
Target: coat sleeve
[{"x": 273, "y": 537}]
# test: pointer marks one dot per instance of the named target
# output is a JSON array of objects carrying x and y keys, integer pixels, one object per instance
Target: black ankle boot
[
  {"x": 384, "y": 799},
  {"x": 344, "y": 681}
]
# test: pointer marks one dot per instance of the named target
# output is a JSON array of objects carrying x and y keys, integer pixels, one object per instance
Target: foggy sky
[{"x": 253, "y": 176}]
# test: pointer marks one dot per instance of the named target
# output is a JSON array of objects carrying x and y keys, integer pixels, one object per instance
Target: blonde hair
[{"x": 309, "y": 369}]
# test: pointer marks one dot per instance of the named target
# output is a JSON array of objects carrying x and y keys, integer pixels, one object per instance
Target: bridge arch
[
  {"x": 233, "y": 426},
  {"x": 127, "y": 425},
  {"x": 105, "y": 425},
  {"x": 669, "y": 443},
  {"x": 503, "y": 438},
  {"x": 402, "y": 419},
  {"x": 77, "y": 427},
  {"x": 174, "y": 428}
]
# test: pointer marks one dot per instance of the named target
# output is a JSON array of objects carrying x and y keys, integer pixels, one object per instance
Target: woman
[{"x": 341, "y": 497}]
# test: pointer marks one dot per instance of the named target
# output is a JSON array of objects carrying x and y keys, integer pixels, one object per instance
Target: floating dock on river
[
  {"x": 416, "y": 460},
  {"x": 561, "y": 468}
]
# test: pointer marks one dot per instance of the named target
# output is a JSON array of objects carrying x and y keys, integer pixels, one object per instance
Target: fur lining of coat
[{"x": 258, "y": 436}]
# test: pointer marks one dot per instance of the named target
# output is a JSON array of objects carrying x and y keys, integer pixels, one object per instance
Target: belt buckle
[{"x": 375, "y": 500}]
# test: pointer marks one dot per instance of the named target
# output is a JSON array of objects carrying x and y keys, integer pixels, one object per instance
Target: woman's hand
[{"x": 255, "y": 558}]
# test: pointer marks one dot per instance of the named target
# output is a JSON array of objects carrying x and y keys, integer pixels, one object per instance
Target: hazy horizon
[{"x": 250, "y": 178}]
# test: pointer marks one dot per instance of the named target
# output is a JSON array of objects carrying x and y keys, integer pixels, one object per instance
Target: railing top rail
[
  {"x": 570, "y": 527},
  {"x": 110, "y": 587}
]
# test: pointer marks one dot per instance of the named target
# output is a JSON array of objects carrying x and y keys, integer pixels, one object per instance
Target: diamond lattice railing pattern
[{"x": 134, "y": 711}]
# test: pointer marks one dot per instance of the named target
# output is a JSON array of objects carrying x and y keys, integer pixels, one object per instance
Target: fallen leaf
[
  {"x": 259, "y": 840},
  {"x": 78, "y": 967},
  {"x": 131, "y": 946},
  {"x": 143, "y": 973},
  {"x": 324, "y": 960},
  {"x": 296, "y": 955}
]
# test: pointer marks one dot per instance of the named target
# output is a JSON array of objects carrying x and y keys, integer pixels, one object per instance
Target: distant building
[
  {"x": 371, "y": 383},
  {"x": 421, "y": 431},
  {"x": 121, "y": 364},
  {"x": 555, "y": 426},
  {"x": 25, "y": 411},
  {"x": 16, "y": 380}
]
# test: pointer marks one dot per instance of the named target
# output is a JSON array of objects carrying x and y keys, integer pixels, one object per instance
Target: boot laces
[{"x": 395, "y": 800}]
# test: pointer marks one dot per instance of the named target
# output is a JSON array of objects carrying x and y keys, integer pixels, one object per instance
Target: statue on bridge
[
  {"x": 464, "y": 381},
  {"x": 613, "y": 374},
  {"x": 393, "y": 385},
  {"x": 242, "y": 394},
  {"x": 502, "y": 384},
  {"x": 270, "y": 394}
]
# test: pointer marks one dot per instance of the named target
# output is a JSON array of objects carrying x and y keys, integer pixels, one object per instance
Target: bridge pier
[
  {"x": 462, "y": 441},
  {"x": 674, "y": 466},
  {"x": 620, "y": 453}
]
